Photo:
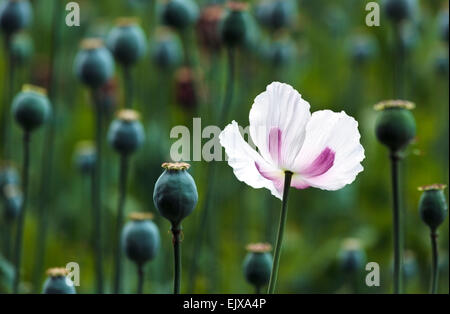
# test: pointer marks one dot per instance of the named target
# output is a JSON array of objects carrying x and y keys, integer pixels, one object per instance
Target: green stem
[
  {"x": 397, "y": 223},
  {"x": 9, "y": 87},
  {"x": 176, "y": 232},
  {"x": 21, "y": 221},
  {"x": 226, "y": 106},
  {"x": 281, "y": 227},
  {"x": 119, "y": 221},
  {"x": 140, "y": 271},
  {"x": 96, "y": 196},
  {"x": 399, "y": 54},
  {"x": 128, "y": 83},
  {"x": 258, "y": 289},
  {"x": 435, "y": 263}
]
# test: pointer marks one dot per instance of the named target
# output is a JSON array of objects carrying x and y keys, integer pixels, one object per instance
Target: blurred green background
[{"x": 319, "y": 58}]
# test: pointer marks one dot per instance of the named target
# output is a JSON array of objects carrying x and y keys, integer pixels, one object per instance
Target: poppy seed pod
[
  {"x": 234, "y": 26},
  {"x": 8, "y": 175},
  {"x": 179, "y": 14},
  {"x": 21, "y": 48},
  {"x": 14, "y": 16},
  {"x": 398, "y": 10},
  {"x": 280, "y": 14},
  {"x": 443, "y": 25},
  {"x": 362, "y": 48},
  {"x": 351, "y": 256},
  {"x": 433, "y": 205},
  {"x": 395, "y": 126},
  {"x": 127, "y": 41},
  {"x": 258, "y": 264},
  {"x": 166, "y": 52},
  {"x": 58, "y": 283},
  {"x": 140, "y": 238},
  {"x": 175, "y": 194},
  {"x": 85, "y": 157},
  {"x": 126, "y": 133},
  {"x": 13, "y": 201},
  {"x": 281, "y": 53},
  {"x": 94, "y": 64},
  {"x": 31, "y": 107}
]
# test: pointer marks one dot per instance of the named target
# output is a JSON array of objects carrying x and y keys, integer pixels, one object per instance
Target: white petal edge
[{"x": 242, "y": 158}]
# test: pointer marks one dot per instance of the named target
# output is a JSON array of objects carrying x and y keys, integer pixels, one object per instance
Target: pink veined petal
[
  {"x": 279, "y": 108},
  {"x": 242, "y": 158},
  {"x": 329, "y": 132},
  {"x": 274, "y": 175}
]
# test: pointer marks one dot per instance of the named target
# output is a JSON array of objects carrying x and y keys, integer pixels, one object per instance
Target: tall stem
[
  {"x": 225, "y": 109},
  {"x": 434, "y": 263},
  {"x": 128, "y": 84},
  {"x": 397, "y": 223},
  {"x": 96, "y": 196},
  {"x": 47, "y": 153},
  {"x": 21, "y": 221},
  {"x": 176, "y": 232},
  {"x": 281, "y": 227},
  {"x": 140, "y": 271},
  {"x": 9, "y": 87},
  {"x": 119, "y": 221}
]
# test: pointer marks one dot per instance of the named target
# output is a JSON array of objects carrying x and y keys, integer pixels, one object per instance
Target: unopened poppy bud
[
  {"x": 13, "y": 201},
  {"x": 14, "y": 15},
  {"x": 234, "y": 25},
  {"x": 179, "y": 14},
  {"x": 31, "y": 107},
  {"x": 258, "y": 264},
  {"x": 127, "y": 41},
  {"x": 85, "y": 157},
  {"x": 351, "y": 256},
  {"x": 166, "y": 51},
  {"x": 395, "y": 126},
  {"x": 433, "y": 205},
  {"x": 126, "y": 134},
  {"x": 398, "y": 10},
  {"x": 94, "y": 64},
  {"x": 21, "y": 48},
  {"x": 58, "y": 282},
  {"x": 140, "y": 238},
  {"x": 175, "y": 194},
  {"x": 185, "y": 92}
]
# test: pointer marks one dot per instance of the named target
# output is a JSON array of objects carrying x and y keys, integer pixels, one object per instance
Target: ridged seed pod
[
  {"x": 233, "y": 27},
  {"x": 398, "y": 10},
  {"x": 126, "y": 134},
  {"x": 166, "y": 52},
  {"x": 31, "y": 107},
  {"x": 258, "y": 264},
  {"x": 179, "y": 14},
  {"x": 58, "y": 283},
  {"x": 127, "y": 41},
  {"x": 395, "y": 126},
  {"x": 175, "y": 194},
  {"x": 433, "y": 205},
  {"x": 94, "y": 64},
  {"x": 140, "y": 238}
]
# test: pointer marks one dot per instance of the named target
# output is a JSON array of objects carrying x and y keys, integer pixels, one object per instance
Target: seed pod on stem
[
  {"x": 140, "y": 242},
  {"x": 175, "y": 196},
  {"x": 258, "y": 265},
  {"x": 58, "y": 282}
]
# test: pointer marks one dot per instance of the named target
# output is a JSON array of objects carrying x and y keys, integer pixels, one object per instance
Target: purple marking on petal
[
  {"x": 321, "y": 164},
  {"x": 265, "y": 174},
  {"x": 275, "y": 144}
]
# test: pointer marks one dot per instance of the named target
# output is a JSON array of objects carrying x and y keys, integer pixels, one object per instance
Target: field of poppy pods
[{"x": 211, "y": 146}]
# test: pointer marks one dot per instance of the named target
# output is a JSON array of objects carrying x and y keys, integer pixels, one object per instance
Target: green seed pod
[
  {"x": 234, "y": 26},
  {"x": 140, "y": 238},
  {"x": 166, "y": 52},
  {"x": 21, "y": 48},
  {"x": 179, "y": 14},
  {"x": 175, "y": 194},
  {"x": 258, "y": 264},
  {"x": 126, "y": 133},
  {"x": 362, "y": 49},
  {"x": 433, "y": 205},
  {"x": 94, "y": 64},
  {"x": 398, "y": 10},
  {"x": 351, "y": 256},
  {"x": 8, "y": 175},
  {"x": 13, "y": 201},
  {"x": 14, "y": 16},
  {"x": 127, "y": 41},
  {"x": 281, "y": 52},
  {"x": 58, "y": 283},
  {"x": 31, "y": 107},
  {"x": 85, "y": 157},
  {"x": 395, "y": 126}
]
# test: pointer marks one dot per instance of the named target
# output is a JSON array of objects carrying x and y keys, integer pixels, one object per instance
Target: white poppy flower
[{"x": 321, "y": 150}]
